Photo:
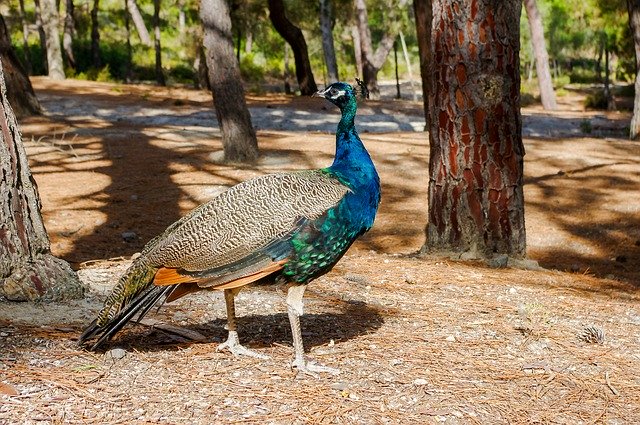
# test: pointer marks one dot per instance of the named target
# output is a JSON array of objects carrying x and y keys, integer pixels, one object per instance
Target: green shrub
[
  {"x": 596, "y": 100},
  {"x": 583, "y": 76}
]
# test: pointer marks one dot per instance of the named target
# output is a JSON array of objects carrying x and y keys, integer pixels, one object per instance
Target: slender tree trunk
[
  {"x": 138, "y": 22},
  {"x": 407, "y": 61},
  {"x": 238, "y": 136},
  {"x": 372, "y": 60},
  {"x": 95, "y": 35},
  {"x": 156, "y": 33},
  {"x": 547, "y": 94},
  {"x": 248, "y": 40},
  {"x": 41, "y": 34},
  {"x": 326, "y": 27},
  {"x": 19, "y": 91},
  {"x": 25, "y": 40},
  {"x": 28, "y": 271},
  {"x": 634, "y": 22},
  {"x": 50, "y": 22},
  {"x": 357, "y": 50},
  {"x": 69, "y": 30},
  {"x": 127, "y": 27},
  {"x": 476, "y": 201},
  {"x": 293, "y": 35},
  {"x": 424, "y": 17}
]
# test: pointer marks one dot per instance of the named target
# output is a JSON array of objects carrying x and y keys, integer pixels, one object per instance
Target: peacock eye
[{"x": 333, "y": 91}]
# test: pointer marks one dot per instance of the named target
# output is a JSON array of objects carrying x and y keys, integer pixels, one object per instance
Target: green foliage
[{"x": 596, "y": 100}]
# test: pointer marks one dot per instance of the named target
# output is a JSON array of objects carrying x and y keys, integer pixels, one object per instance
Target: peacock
[{"x": 285, "y": 228}]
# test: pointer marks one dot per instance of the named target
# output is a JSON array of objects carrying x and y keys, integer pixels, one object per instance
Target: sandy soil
[{"x": 418, "y": 340}]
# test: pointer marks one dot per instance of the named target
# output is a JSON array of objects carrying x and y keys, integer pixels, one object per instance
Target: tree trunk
[
  {"x": 138, "y": 22},
  {"x": 424, "y": 17},
  {"x": 95, "y": 35},
  {"x": 41, "y": 33},
  {"x": 19, "y": 91},
  {"x": 634, "y": 22},
  {"x": 373, "y": 61},
  {"x": 547, "y": 95},
  {"x": 67, "y": 37},
  {"x": 50, "y": 19},
  {"x": 326, "y": 26},
  {"x": 156, "y": 33},
  {"x": 476, "y": 201},
  {"x": 127, "y": 29},
  {"x": 357, "y": 51},
  {"x": 25, "y": 40},
  {"x": 238, "y": 136},
  {"x": 293, "y": 35},
  {"x": 28, "y": 271}
]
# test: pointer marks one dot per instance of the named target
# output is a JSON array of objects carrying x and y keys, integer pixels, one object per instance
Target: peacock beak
[{"x": 320, "y": 93}]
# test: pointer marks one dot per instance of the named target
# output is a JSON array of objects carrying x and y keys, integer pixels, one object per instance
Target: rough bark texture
[
  {"x": 293, "y": 35},
  {"x": 69, "y": 30},
  {"x": 372, "y": 60},
  {"x": 547, "y": 94},
  {"x": 238, "y": 136},
  {"x": 138, "y": 22},
  {"x": 326, "y": 27},
  {"x": 95, "y": 35},
  {"x": 28, "y": 271},
  {"x": 476, "y": 202},
  {"x": 19, "y": 91},
  {"x": 50, "y": 20},
  {"x": 158, "y": 48},
  {"x": 634, "y": 23},
  {"x": 424, "y": 17}
]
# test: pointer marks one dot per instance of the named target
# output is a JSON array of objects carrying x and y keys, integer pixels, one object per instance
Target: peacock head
[{"x": 341, "y": 94}]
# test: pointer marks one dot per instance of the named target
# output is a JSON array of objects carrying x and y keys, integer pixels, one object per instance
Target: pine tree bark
[
  {"x": 547, "y": 94},
  {"x": 158, "y": 48},
  {"x": 50, "y": 20},
  {"x": 28, "y": 271},
  {"x": 293, "y": 35},
  {"x": 95, "y": 35},
  {"x": 67, "y": 36},
  {"x": 238, "y": 136},
  {"x": 138, "y": 22},
  {"x": 424, "y": 18},
  {"x": 328, "y": 48},
  {"x": 633, "y": 7},
  {"x": 476, "y": 201},
  {"x": 20, "y": 94},
  {"x": 372, "y": 60}
]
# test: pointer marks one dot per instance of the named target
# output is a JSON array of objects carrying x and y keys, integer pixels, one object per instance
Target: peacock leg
[
  {"x": 295, "y": 310},
  {"x": 233, "y": 342}
]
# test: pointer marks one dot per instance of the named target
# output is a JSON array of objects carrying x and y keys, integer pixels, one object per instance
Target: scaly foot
[
  {"x": 312, "y": 368},
  {"x": 233, "y": 345}
]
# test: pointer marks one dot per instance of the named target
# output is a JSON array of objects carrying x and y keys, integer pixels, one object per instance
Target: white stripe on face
[{"x": 338, "y": 94}]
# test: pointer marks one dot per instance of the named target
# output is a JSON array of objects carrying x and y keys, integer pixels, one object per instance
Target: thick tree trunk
[
  {"x": 25, "y": 39},
  {"x": 293, "y": 35},
  {"x": 67, "y": 37},
  {"x": 634, "y": 22},
  {"x": 547, "y": 94},
  {"x": 476, "y": 201},
  {"x": 372, "y": 60},
  {"x": 50, "y": 20},
  {"x": 95, "y": 35},
  {"x": 28, "y": 271},
  {"x": 326, "y": 27},
  {"x": 138, "y": 22},
  {"x": 156, "y": 33},
  {"x": 238, "y": 136},
  {"x": 19, "y": 91}
]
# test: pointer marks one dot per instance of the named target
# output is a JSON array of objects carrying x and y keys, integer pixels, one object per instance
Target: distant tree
[
  {"x": 476, "y": 201},
  {"x": 326, "y": 27},
  {"x": 50, "y": 20},
  {"x": 138, "y": 22},
  {"x": 424, "y": 17},
  {"x": 372, "y": 60},
  {"x": 293, "y": 35},
  {"x": 547, "y": 94},
  {"x": 25, "y": 39},
  {"x": 41, "y": 33},
  {"x": 158, "y": 48},
  {"x": 634, "y": 23},
  {"x": 95, "y": 35},
  {"x": 28, "y": 271},
  {"x": 19, "y": 91},
  {"x": 238, "y": 136},
  {"x": 69, "y": 30}
]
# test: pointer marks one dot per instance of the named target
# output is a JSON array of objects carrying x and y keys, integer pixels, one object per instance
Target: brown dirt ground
[{"x": 418, "y": 340}]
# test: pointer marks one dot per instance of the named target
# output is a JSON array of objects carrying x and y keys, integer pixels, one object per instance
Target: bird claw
[
  {"x": 312, "y": 368},
  {"x": 233, "y": 345}
]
